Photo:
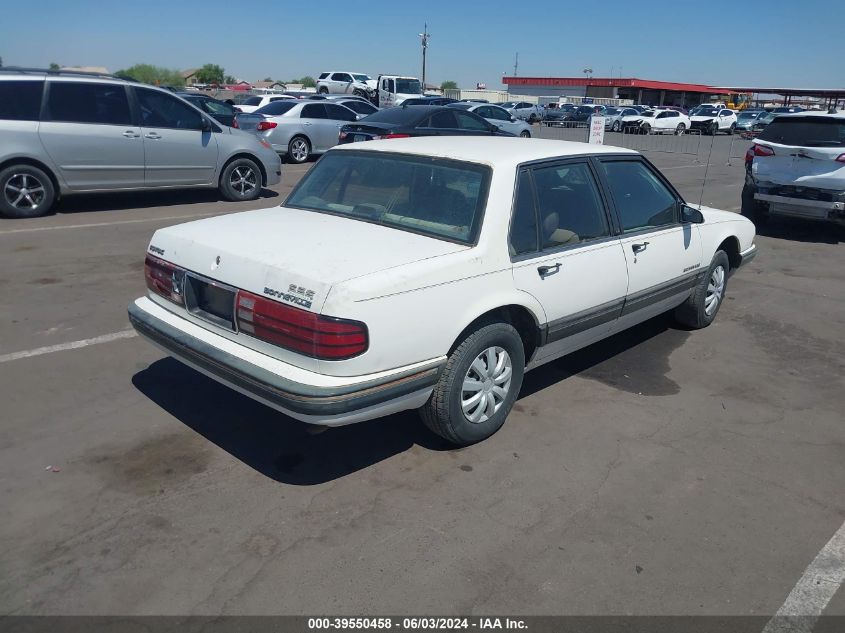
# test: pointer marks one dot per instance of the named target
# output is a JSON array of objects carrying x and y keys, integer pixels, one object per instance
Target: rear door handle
[
  {"x": 639, "y": 248},
  {"x": 545, "y": 271},
  {"x": 131, "y": 134},
  {"x": 152, "y": 135}
]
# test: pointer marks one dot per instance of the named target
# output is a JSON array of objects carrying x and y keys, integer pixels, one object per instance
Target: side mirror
[
  {"x": 205, "y": 126},
  {"x": 689, "y": 215},
  {"x": 513, "y": 119}
]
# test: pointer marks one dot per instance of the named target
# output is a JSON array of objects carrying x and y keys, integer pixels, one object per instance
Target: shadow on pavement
[
  {"x": 802, "y": 231},
  {"x": 284, "y": 450},
  {"x": 143, "y": 199}
]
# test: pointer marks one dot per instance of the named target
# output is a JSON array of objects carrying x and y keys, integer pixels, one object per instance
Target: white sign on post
[{"x": 596, "y": 134}]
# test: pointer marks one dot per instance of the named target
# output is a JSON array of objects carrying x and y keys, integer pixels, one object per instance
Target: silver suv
[{"x": 66, "y": 133}]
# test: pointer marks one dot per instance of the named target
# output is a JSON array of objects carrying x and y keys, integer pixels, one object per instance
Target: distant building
[
  {"x": 190, "y": 76},
  {"x": 269, "y": 85}
]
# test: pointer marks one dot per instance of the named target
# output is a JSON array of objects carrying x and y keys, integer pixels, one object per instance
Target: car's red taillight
[
  {"x": 235, "y": 123},
  {"x": 326, "y": 338},
  {"x": 265, "y": 125},
  {"x": 165, "y": 279},
  {"x": 758, "y": 150},
  {"x": 840, "y": 158},
  {"x": 393, "y": 136}
]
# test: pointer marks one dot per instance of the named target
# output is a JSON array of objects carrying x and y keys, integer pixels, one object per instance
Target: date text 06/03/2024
[{"x": 414, "y": 624}]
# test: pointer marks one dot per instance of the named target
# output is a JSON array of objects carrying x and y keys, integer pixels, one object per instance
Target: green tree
[
  {"x": 54, "y": 66},
  {"x": 153, "y": 75},
  {"x": 267, "y": 79},
  {"x": 307, "y": 81},
  {"x": 449, "y": 85},
  {"x": 229, "y": 79},
  {"x": 210, "y": 74}
]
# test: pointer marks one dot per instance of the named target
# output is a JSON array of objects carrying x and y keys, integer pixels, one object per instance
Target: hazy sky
[{"x": 717, "y": 42}]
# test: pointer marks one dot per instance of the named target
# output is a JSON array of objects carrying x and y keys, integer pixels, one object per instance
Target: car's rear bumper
[
  {"x": 823, "y": 210},
  {"x": 304, "y": 395}
]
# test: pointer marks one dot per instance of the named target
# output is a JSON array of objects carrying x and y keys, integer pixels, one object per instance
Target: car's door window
[
  {"x": 444, "y": 119},
  {"x": 467, "y": 121},
  {"x": 339, "y": 113},
  {"x": 360, "y": 107},
  {"x": 569, "y": 205},
  {"x": 313, "y": 111},
  {"x": 663, "y": 115},
  {"x": 641, "y": 199},
  {"x": 20, "y": 100},
  {"x": 218, "y": 107},
  {"x": 523, "y": 233},
  {"x": 159, "y": 109},
  {"x": 76, "y": 102},
  {"x": 341, "y": 77},
  {"x": 498, "y": 114}
]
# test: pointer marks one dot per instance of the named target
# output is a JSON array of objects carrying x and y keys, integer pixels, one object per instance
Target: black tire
[
  {"x": 752, "y": 209},
  {"x": 323, "y": 90},
  {"x": 443, "y": 413},
  {"x": 299, "y": 149},
  {"x": 616, "y": 127},
  {"x": 525, "y": 134},
  {"x": 694, "y": 311},
  {"x": 681, "y": 129},
  {"x": 713, "y": 130},
  {"x": 241, "y": 180},
  {"x": 25, "y": 192},
  {"x": 732, "y": 129}
]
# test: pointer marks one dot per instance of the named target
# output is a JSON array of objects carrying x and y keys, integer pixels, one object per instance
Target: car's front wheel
[
  {"x": 240, "y": 180},
  {"x": 703, "y": 304},
  {"x": 680, "y": 129},
  {"x": 732, "y": 128},
  {"x": 478, "y": 385},
  {"x": 616, "y": 126},
  {"x": 525, "y": 134},
  {"x": 25, "y": 192}
]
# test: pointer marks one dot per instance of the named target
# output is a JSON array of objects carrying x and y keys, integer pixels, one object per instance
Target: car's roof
[{"x": 496, "y": 151}]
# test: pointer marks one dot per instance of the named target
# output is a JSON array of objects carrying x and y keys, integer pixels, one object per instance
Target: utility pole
[
  {"x": 424, "y": 39},
  {"x": 516, "y": 65}
]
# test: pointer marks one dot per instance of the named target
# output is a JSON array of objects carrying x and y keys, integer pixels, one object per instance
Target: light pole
[{"x": 424, "y": 40}]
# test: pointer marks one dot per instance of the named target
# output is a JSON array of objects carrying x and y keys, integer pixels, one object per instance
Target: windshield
[
  {"x": 648, "y": 113},
  {"x": 251, "y": 101},
  {"x": 508, "y": 104},
  {"x": 585, "y": 109},
  {"x": 806, "y": 131},
  {"x": 361, "y": 78},
  {"x": 612, "y": 111},
  {"x": 747, "y": 116},
  {"x": 437, "y": 197},
  {"x": 408, "y": 86},
  {"x": 706, "y": 112}
]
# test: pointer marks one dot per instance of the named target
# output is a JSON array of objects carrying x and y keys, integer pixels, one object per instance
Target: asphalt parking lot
[{"x": 659, "y": 472}]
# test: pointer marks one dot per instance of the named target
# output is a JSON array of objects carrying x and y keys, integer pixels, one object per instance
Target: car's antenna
[{"x": 706, "y": 170}]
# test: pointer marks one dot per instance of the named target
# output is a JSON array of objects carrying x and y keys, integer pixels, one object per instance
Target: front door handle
[
  {"x": 639, "y": 248},
  {"x": 545, "y": 271},
  {"x": 152, "y": 135},
  {"x": 131, "y": 134},
  {"x": 306, "y": 123}
]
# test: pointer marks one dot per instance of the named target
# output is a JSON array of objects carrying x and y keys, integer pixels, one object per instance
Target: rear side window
[
  {"x": 276, "y": 107},
  {"x": 313, "y": 111},
  {"x": 360, "y": 107},
  {"x": 76, "y": 102},
  {"x": 467, "y": 121},
  {"x": 523, "y": 236},
  {"x": 339, "y": 113},
  {"x": 159, "y": 109},
  {"x": 444, "y": 119},
  {"x": 252, "y": 101},
  {"x": 323, "y": 75},
  {"x": 806, "y": 131},
  {"x": 20, "y": 100}
]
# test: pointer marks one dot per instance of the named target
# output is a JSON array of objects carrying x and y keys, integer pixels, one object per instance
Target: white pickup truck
[{"x": 431, "y": 273}]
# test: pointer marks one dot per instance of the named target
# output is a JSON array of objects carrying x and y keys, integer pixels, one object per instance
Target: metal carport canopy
[{"x": 838, "y": 93}]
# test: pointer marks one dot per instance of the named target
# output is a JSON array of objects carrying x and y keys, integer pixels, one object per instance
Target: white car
[
  {"x": 796, "y": 168},
  {"x": 345, "y": 82},
  {"x": 430, "y": 273},
  {"x": 496, "y": 115},
  {"x": 530, "y": 112},
  {"x": 251, "y": 104},
  {"x": 656, "y": 121},
  {"x": 711, "y": 120}
]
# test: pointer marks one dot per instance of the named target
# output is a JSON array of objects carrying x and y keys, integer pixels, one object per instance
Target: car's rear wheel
[
  {"x": 616, "y": 126},
  {"x": 323, "y": 90},
  {"x": 25, "y": 192},
  {"x": 700, "y": 309},
  {"x": 478, "y": 385},
  {"x": 680, "y": 129},
  {"x": 241, "y": 180},
  {"x": 525, "y": 134},
  {"x": 299, "y": 149},
  {"x": 732, "y": 129}
]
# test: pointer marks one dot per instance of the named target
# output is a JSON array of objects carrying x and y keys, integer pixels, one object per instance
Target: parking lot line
[
  {"x": 809, "y": 597},
  {"x": 116, "y": 222},
  {"x": 105, "y": 338}
]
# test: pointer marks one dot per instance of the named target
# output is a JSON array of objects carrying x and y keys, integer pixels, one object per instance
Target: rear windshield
[
  {"x": 436, "y": 197},
  {"x": 396, "y": 115},
  {"x": 275, "y": 108},
  {"x": 251, "y": 101},
  {"x": 803, "y": 131},
  {"x": 20, "y": 100}
]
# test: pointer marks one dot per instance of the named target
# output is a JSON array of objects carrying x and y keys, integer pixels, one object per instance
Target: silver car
[
  {"x": 499, "y": 117},
  {"x": 298, "y": 129},
  {"x": 66, "y": 133},
  {"x": 530, "y": 112},
  {"x": 613, "y": 117},
  {"x": 360, "y": 106}
]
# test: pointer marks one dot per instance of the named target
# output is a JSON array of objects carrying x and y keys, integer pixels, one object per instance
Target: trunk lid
[
  {"x": 291, "y": 255},
  {"x": 248, "y": 121}
]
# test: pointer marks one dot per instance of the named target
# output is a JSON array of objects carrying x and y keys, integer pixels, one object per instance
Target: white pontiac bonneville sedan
[{"x": 431, "y": 273}]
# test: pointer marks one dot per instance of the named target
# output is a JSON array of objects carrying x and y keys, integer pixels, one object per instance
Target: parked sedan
[
  {"x": 251, "y": 104},
  {"x": 401, "y": 122},
  {"x": 298, "y": 129},
  {"x": 431, "y": 101},
  {"x": 389, "y": 280},
  {"x": 530, "y": 112},
  {"x": 656, "y": 122},
  {"x": 746, "y": 119},
  {"x": 498, "y": 117},
  {"x": 220, "y": 110},
  {"x": 613, "y": 117}
]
